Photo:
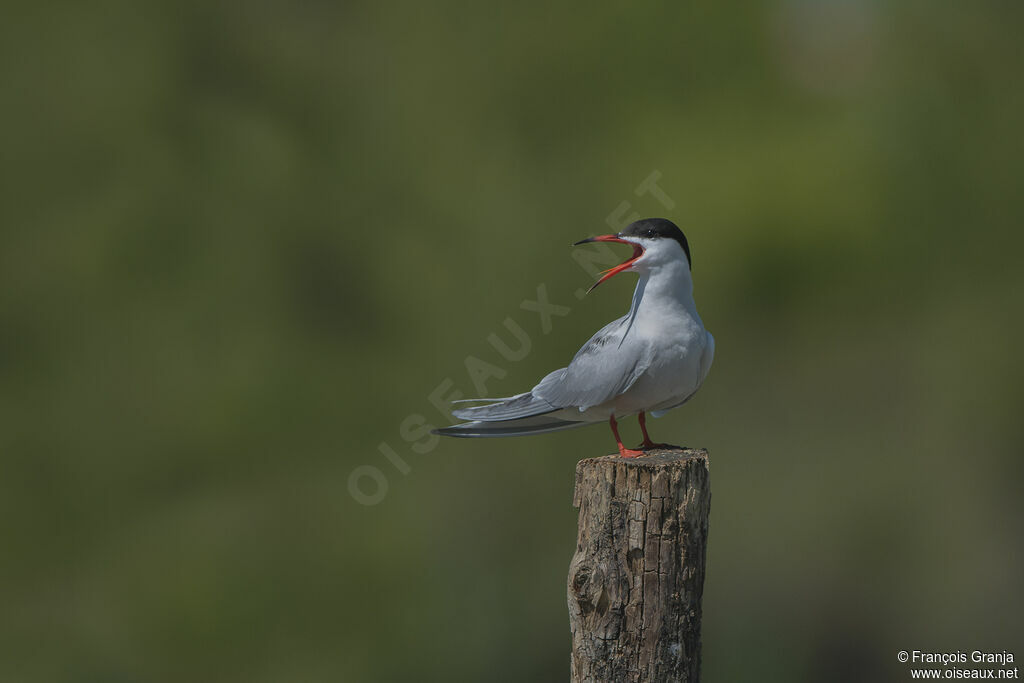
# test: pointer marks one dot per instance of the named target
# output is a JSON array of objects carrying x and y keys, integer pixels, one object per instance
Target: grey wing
[
  {"x": 511, "y": 408},
  {"x": 601, "y": 370}
]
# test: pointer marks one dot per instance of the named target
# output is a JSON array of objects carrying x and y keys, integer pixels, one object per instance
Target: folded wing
[{"x": 601, "y": 370}]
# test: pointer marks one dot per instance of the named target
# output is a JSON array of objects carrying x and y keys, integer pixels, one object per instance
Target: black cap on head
[{"x": 658, "y": 227}]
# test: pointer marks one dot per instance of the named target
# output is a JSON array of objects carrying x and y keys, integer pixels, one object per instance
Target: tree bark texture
[{"x": 637, "y": 578}]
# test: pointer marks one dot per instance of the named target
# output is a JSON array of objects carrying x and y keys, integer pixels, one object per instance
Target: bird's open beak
[{"x": 638, "y": 251}]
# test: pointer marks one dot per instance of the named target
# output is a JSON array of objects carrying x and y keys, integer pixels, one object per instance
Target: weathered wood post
[{"x": 636, "y": 580}]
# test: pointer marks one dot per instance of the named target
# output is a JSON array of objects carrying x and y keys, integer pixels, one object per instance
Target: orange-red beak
[{"x": 638, "y": 251}]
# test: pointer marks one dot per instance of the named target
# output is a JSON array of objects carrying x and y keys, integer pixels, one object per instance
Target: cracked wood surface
[{"x": 636, "y": 580}]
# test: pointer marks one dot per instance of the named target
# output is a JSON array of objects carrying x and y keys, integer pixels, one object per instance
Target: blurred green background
[{"x": 243, "y": 243}]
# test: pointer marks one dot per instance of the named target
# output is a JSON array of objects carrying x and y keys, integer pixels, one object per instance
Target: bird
[{"x": 652, "y": 359}]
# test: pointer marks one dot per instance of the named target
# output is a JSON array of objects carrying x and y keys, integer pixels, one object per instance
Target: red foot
[
  {"x": 648, "y": 444},
  {"x": 623, "y": 451}
]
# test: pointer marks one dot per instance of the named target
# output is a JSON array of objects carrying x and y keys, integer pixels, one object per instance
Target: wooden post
[{"x": 636, "y": 580}]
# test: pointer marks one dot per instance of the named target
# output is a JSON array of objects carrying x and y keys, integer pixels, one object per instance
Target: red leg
[
  {"x": 623, "y": 451},
  {"x": 647, "y": 440}
]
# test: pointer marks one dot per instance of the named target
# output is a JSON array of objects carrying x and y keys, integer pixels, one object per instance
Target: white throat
[{"x": 664, "y": 294}]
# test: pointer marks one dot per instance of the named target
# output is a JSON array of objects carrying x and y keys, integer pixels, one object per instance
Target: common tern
[{"x": 652, "y": 359}]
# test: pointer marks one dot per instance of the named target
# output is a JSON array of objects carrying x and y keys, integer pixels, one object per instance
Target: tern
[{"x": 652, "y": 359}]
